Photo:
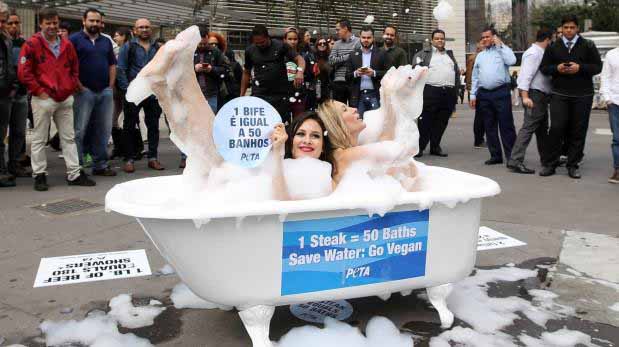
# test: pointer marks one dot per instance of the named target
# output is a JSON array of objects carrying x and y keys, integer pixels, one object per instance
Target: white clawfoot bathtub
[{"x": 240, "y": 255}]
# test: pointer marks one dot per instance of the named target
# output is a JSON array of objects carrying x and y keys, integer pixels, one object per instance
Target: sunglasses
[
  {"x": 322, "y": 43},
  {"x": 213, "y": 44}
]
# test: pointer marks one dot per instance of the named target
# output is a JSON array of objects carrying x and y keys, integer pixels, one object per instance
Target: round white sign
[
  {"x": 316, "y": 312},
  {"x": 242, "y": 128}
]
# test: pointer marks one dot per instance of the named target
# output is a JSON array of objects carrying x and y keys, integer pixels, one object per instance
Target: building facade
[{"x": 235, "y": 18}]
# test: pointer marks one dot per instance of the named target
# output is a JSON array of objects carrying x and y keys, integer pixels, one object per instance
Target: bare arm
[{"x": 278, "y": 139}]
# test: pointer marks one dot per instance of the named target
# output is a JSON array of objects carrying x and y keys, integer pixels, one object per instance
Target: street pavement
[{"x": 571, "y": 228}]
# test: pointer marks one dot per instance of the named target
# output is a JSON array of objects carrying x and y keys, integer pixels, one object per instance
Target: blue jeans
[
  {"x": 613, "y": 116},
  {"x": 368, "y": 100},
  {"x": 93, "y": 118},
  {"x": 212, "y": 102}
]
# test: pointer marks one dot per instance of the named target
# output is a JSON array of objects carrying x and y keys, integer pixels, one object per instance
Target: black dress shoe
[
  {"x": 547, "y": 171},
  {"x": 493, "y": 161},
  {"x": 438, "y": 153},
  {"x": 573, "y": 172},
  {"x": 520, "y": 168},
  {"x": 419, "y": 155}
]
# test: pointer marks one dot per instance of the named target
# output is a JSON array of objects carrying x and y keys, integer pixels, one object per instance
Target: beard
[
  {"x": 366, "y": 45},
  {"x": 389, "y": 42},
  {"x": 95, "y": 29}
]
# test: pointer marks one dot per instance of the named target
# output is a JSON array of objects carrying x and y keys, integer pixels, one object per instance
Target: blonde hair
[{"x": 338, "y": 133}]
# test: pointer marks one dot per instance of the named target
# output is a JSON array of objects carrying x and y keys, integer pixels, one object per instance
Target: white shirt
[
  {"x": 530, "y": 77},
  {"x": 441, "y": 69},
  {"x": 573, "y": 40},
  {"x": 610, "y": 77}
]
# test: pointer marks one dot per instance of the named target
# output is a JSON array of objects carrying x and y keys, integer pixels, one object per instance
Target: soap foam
[
  {"x": 380, "y": 332},
  {"x": 183, "y": 297},
  {"x": 99, "y": 329}
]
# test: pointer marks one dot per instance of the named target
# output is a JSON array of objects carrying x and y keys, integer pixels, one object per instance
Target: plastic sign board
[
  {"x": 492, "y": 239},
  {"x": 91, "y": 267},
  {"x": 316, "y": 312},
  {"x": 332, "y": 253},
  {"x": 242, "y": 128}
]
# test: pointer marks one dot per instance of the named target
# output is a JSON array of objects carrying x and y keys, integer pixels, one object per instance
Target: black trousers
[
  {"x": 495, "y": 108},
  {"x": 341, "y": 91},
  {"x": 479, "y": 129},
  {"x": 152, "y": 112},
  {"x": 569, "y": 122},
  {"x": 438, "y": 105}
]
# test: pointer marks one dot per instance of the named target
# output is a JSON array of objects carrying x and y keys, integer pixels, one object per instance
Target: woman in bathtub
[
  {"x": 171, "y": 78},
  {"x": 344, "y": 126}
]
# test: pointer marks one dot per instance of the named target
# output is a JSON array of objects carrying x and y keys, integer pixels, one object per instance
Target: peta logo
[{"x": 361, "y": 271}]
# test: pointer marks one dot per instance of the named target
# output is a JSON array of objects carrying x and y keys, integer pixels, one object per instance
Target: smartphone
[
  {"x": 205, "y": 65},
  {"x": 365, "y": 68}
]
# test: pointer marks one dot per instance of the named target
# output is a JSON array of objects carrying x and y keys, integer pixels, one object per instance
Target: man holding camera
[{"x": 572, "y": 61}]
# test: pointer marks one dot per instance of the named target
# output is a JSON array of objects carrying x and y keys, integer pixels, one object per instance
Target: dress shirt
[
  {"x": 574, "y": 39},
  {"x": 491, "y": 69},
  {"x": 441, "y": 69},
  {"x": 610, "y": 77},
  {"x": 530, "y": 77},
  {"x": 366, "y": 58},
  {"x": 54, "y": 46}
]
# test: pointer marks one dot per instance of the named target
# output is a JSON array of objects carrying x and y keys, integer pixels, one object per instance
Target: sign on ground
[
  {"x": 72, "y": 269},
  {"x": 316, "y": 312},
  {"x": 492, "y": 239}
]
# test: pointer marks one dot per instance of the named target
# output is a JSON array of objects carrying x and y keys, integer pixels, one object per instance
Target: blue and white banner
[{"x": 332, "y": 253}]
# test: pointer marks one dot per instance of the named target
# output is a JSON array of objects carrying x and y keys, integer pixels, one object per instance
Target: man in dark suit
[
  {"x": 571, "y": 61},
  {"x": 366, "y": 67}
]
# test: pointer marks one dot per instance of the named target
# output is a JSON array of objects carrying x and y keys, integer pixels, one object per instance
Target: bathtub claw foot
[
  {"x": 438, "y": 297},
  {"x": 257, "y": 320}
]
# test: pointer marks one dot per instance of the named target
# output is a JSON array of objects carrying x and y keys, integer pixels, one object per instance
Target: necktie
[{"x": 569, "y": 46}]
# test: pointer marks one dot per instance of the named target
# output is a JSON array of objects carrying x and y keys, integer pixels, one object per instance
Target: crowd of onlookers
[
  {"x": 76, "y": 83},
  {"x": 555, "y": 84}
]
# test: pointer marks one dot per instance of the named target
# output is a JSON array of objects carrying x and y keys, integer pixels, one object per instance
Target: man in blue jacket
[{"x": 133, "y": 56}]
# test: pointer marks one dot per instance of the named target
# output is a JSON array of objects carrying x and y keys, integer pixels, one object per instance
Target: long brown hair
[{"x": 327, "y": 149}]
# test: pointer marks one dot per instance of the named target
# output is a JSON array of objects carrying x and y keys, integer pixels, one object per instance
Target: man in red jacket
[{"x": 48, "y": 67}]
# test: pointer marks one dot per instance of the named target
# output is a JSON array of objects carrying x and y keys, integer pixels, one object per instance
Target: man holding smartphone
[
  {"x": 571, "y": 61},
  {"x": 366, "y": 66}
]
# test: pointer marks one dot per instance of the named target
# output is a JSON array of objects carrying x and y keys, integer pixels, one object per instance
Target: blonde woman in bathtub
[{"x": 344, "y": 126}]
